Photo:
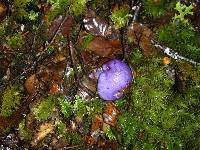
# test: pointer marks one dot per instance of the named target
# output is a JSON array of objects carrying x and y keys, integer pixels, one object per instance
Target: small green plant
[
  {"x": 77, "y": 7},
  {"x": 58, "y": 7},
  {"x": 120, "y": 17},
  {"x": 45, "y": 108},
  {"x": 16, "y": 40},
  {"x": 65, "y": 106},
  {"x": 108, "y": 132},
  {"x": 87, "y": 39},
  {"x": 60, "y": 127},
  {"x": 11, "y": 100},
  {"x": 183, "y": 11},
  {"x": 23, "y": 131},
  {"x": 80, "y": 107}
]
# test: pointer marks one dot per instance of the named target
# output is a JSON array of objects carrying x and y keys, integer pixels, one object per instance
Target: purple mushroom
[{"x": 114, "y": 79}]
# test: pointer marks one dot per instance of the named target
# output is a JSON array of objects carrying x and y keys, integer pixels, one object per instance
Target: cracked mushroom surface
[{"x": 115, "y": 77}]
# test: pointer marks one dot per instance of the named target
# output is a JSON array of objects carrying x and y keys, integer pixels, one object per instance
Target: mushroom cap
[{"x": 114, "y": 79}]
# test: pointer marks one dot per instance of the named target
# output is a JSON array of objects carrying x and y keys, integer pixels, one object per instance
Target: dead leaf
[
  {"x": 67, "y": 25},
  {"x": 110, "y": 114},
  {"x": 44, "y": 130},
  {"x": 141, "y": 35},
  {"x": 104, "y": 47},
  {"x": 31, "y": 84}
]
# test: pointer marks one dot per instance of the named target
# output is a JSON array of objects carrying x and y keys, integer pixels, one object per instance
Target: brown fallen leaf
[
  {"x": 110, "y": 114},
  {"x": 104, "y": 47},
  {"x": 141, "y": 35},
  {"x": 31, "y": 84},
  {"x": 44, "y": 130},
  {"x": 3, "y": 9}
]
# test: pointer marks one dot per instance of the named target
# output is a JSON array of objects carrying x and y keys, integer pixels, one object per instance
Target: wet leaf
[
  {"x": 31, "y": 84},
  {"x": 67, "y": 25},
  {"x": 141, "y": 35},
  {"x": 104, "y": 47},
  {"x": 110, "y": 114}
]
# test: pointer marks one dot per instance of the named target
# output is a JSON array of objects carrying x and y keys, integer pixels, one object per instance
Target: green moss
[
  {"x": 59, "y": 7},
  {"x": 11, "y": 100},
  {"x": 182, "y": 38},
  {"x": 60, "y": 127},
  {"x": 157, "y": 8},
  {"x": 65, "y": 106},
  {"x": 74, "y": 138},
  {"x": 15, "y": 41},
  {"x": 45, "y": 109},
  {"x": 180, "y": 35},
  {"x": 94, "y": 108},
  {"x": 86, "y": 40},
  {"x": 24, "y": 132},
  {"x": 77, "y": 7},
  {"x": 80, "y": 107},
  {"x": 165, "y": 120},
  {"x": 120, "y": 17},
  {"x": 19, "y": 9},
  {"x": 108, "y": 132}
]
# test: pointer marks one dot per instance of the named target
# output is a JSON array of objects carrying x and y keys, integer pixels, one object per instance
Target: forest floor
[{"x": 52, "y": 53}]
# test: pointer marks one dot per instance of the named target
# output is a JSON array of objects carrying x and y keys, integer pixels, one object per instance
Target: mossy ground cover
[{"x": 46, "y": 68}]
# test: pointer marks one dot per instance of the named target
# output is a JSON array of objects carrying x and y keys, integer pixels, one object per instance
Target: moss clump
[
  {"x": 58, "y": 7},
  {"x": 45, "y": 109},
  {"x": 66, "y": 107},
  {"x": 15, "y": 41},
  {"x": 77, "y": 7},
  {"x": 156, "y": 118},
  {"x": 11, "y": 100},
  {"x": 80, "y": 107},
  {"x": 120, "y": 17},
  {"x": 60, "y": 127},
  {"x": 183, "y": 11},
  {"x": 180, "y": 35},
  {"x": 23, "y": 131},
  {"x": 156, "y": 8}
]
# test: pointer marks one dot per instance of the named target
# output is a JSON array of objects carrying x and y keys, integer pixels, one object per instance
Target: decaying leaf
[
  {"x": 3, "y": 10},
  {"x": 104, "y": 47},
  {"x": 110, "y": 114},
  {"x": 139, "y": 34},
  {"x": 31, "y": 84},
  {"x": 44, "y": 130}
]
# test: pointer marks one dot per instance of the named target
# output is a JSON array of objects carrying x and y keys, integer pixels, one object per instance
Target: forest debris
[
  {"x": 141, "y": 35},
  {"x": 44, "y": 130},
  {"x": 105, "y": 48},
  {"x": 110, "y": 114},
  {"x": 96, "y": 26},
  {"x": 31, "y": 84},
  {"x": 95, "y": 130},
  {"x": 3, "y": 10}
]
